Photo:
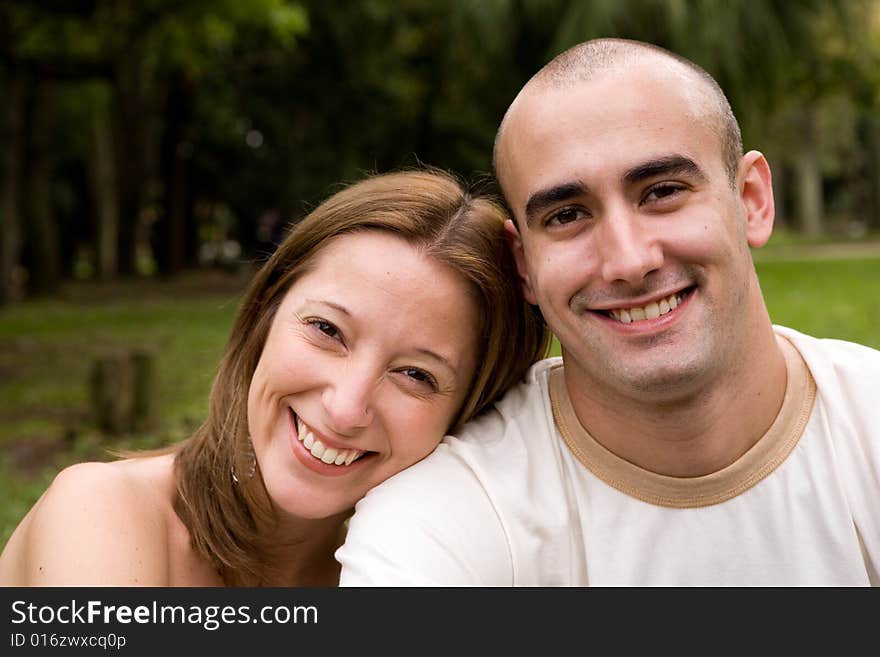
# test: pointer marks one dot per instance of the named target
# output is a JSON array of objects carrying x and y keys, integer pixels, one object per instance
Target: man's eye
[
  {"x": 663, "y": 192},
  {"x": 565, "y": 216}
]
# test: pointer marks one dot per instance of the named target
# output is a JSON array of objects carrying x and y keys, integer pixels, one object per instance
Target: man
[{"x": 682, "y": 439}]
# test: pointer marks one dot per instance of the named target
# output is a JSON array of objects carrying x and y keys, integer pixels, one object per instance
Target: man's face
[{"x": 631, "y": 237}]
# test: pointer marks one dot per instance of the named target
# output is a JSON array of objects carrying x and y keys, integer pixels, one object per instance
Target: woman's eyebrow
[
  {"x": 442, "y": 360},
  {"x": 330, "y": 304},
  {"x": 433, "y": 355}
]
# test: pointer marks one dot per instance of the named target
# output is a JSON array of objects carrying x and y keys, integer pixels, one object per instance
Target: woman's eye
[
  {"x": 325, "y": 327},
  {"x": 420, "y": 376},
  {"x": 565, "y": 216}
]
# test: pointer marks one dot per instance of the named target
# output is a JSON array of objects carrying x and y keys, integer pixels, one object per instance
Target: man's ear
[
  {"x": 755, "y": 187},
  {"x": 514, "y": 241}
]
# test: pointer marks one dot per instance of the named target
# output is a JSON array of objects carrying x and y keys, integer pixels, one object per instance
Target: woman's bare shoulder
[{"x": 98, "y": 524}]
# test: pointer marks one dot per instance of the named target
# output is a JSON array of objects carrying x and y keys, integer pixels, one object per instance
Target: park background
[{"x": 154, "y": 151}]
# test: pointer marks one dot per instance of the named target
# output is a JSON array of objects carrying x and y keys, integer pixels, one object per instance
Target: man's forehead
[
  {"x": 642, "y": 80},
  {"x": 632, "y": 98}
]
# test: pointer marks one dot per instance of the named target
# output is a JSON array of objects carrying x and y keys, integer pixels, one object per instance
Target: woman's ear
[
  {"x": 755, "y": 187},
  {"x": 514, "y": 241}
]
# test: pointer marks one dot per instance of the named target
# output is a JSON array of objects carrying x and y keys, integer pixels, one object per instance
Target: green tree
[
  {"x": 774, "y": 58},
  {"x": 139, "y": 51}
]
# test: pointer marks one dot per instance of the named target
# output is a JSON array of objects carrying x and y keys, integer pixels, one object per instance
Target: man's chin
[{"x": 667, "y": 382}]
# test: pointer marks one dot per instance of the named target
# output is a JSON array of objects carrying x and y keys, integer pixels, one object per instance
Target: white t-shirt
[{"x": 525, "y": 497}]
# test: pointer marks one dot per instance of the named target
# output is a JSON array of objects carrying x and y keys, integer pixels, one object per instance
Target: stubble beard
[
  {"x": 674, "y": 367},
  {"x": 664, "y": 369}
]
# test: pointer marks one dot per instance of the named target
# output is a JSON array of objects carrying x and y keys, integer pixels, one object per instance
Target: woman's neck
[{"x": 301, "y": 552}]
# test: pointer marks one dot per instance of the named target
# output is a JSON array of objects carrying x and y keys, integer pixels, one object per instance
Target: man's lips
[{"x": 649, "y": 310}]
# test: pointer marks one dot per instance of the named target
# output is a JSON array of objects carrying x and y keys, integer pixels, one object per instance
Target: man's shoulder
[
  {"x": 846, "y": 374},
  {"x": 536, "y": 379},
  {"x": 843, "y": 356},
  {"x": 526, "y": 403},
  {"x": 540, "y": 370}
]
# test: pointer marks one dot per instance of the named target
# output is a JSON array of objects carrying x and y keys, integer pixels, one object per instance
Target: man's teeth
[
  {"x": 326, "y": 454},
  {"x": 652, "y": 311}
]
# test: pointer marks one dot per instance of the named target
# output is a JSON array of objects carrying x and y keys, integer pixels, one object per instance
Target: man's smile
[{"x": 651, "y": 310}]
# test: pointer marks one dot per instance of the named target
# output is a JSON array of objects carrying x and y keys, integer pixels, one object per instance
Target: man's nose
[{"x": 628, "y": 248}]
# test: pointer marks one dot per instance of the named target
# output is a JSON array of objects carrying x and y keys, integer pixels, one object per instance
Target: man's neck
[{"x": 692, "y": 434}]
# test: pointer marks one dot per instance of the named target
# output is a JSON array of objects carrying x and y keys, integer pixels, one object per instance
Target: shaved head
[{"x": 600, "y": 57}]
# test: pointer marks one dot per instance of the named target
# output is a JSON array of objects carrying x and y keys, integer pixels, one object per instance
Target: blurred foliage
[{"x": 231, "y": 118}]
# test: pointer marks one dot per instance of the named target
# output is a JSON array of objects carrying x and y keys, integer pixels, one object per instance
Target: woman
[{"x": 388, "y": 316}]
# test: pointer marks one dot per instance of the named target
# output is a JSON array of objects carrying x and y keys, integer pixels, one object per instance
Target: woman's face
[{"x": 367, "y": 360}]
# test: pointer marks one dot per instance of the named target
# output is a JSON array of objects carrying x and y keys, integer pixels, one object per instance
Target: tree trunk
[
  {"x": 809, "y": 175},
  {"x": 10, "y": 170},
  {"x": 872, "y": 150},
  {"x": 45, "y": 271},
  {"x": 780, "y": 180},
  {"x": 103, "y": 172},
  {"x": 170, "y": 235},
  {"x": 110, "y": 382},
  {"x": 129, "y": 128},
  {"x": 143, "y": 365}
]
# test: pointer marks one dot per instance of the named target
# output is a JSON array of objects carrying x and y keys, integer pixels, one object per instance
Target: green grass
[
  {"x": 783, "y": 237},
  {"x": 47, "y": 347},
  {"x": 825, "y": 298}
]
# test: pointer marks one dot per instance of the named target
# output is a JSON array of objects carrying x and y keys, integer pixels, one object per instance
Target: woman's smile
[{"x": 317, "y": 454}]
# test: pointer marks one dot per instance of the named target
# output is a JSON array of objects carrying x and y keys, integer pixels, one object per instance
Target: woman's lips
[{"x": 317, "y": 455}]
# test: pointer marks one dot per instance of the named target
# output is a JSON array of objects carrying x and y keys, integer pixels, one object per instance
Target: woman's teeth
[
  {"x": 652, "y": 311},
  {"x": 326, "y": 454}
]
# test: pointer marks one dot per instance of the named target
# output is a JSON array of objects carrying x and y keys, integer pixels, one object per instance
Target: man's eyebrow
[
  {"x": 673, "y": 165},
  {"x": 544, "y": 198}
]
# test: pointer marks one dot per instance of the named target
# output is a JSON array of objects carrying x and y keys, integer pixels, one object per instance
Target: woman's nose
[{"x": 348, "y": 401}]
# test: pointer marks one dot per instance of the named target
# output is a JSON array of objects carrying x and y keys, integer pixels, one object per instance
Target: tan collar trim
[{"x": 688, "y": 492}]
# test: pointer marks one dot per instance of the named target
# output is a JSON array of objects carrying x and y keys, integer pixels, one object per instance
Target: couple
[{"x": 682, "y": 438}]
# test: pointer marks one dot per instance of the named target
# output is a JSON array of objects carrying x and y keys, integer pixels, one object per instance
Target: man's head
[
  {"x": 591, "y": 58},
  {"x": 635, "y": 210}
]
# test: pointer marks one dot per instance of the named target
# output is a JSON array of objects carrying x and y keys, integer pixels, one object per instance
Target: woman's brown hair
[{"x": 428, "y": 208}]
